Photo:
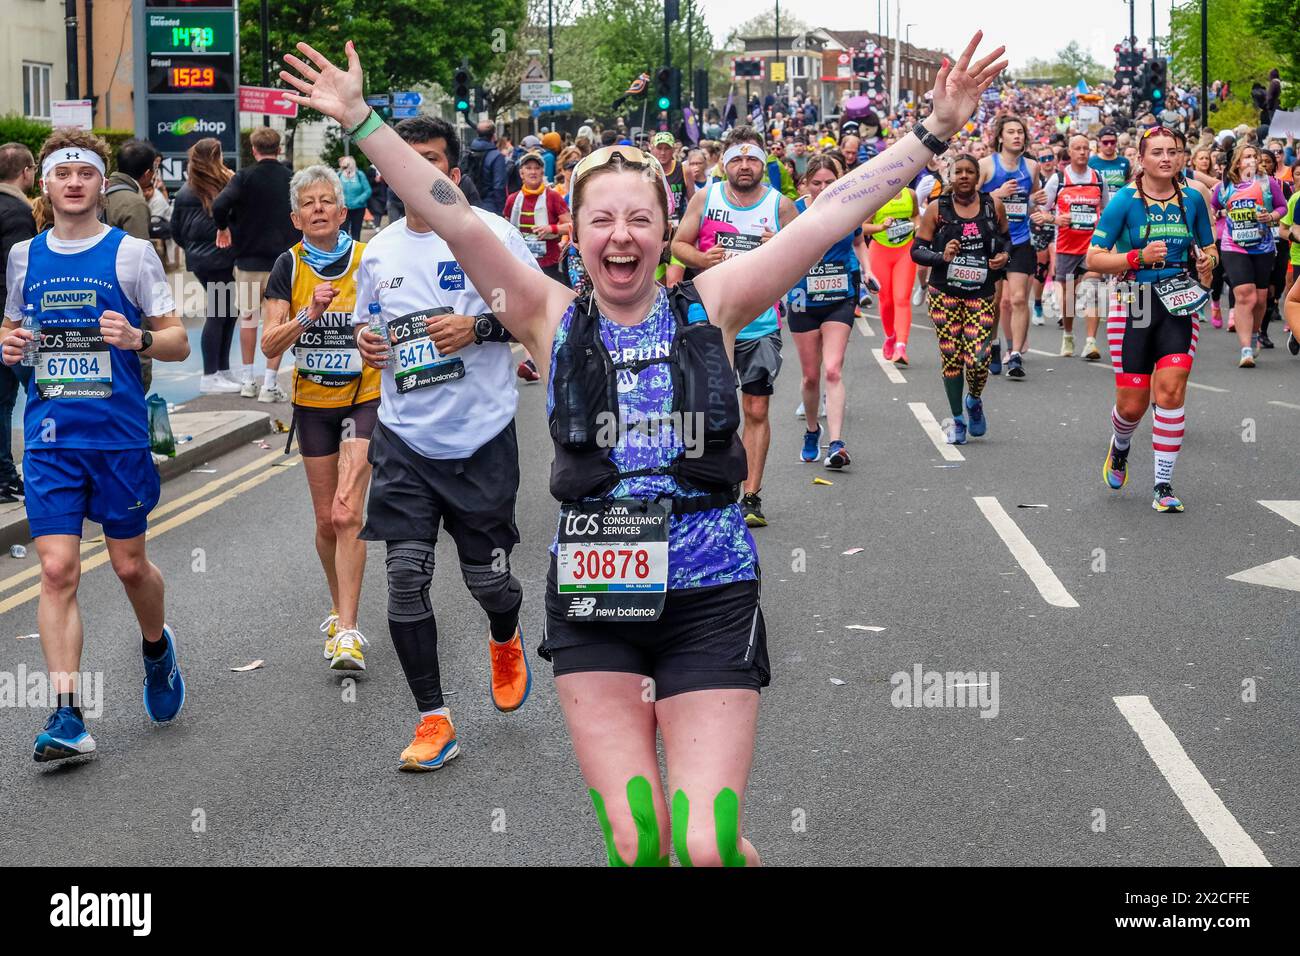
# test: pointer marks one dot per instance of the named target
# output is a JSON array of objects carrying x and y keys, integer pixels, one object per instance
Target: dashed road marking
[
  {"x": 1233, "y": 844},
  {"x": 891, "y": 370},
  {"x": 1026, "y": 555},
  {"x": 934, "y": 432}
]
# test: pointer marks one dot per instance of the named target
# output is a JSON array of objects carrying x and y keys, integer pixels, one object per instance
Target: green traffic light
[
  {"x": 664, "y": 102},
  {"x": 462, "y": 105},
  {"x": 1156, "y": 94}
]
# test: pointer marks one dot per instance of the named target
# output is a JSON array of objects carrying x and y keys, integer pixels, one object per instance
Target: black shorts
[
  {"x": 811, "y": 318},
  {"x": 705, "y": 639},
  {"x": 1241, "y": 268},
  {"x": 320, "y": 431},
  {"x": 1153, "y": 341},
  {"x": 474, "y": 498},
  {"x": 757, "y": 363},
  {"x": 1023, "y": 259}
]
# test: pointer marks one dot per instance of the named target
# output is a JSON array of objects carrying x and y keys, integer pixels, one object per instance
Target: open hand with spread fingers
[
  {"x": 958, "y": 87},
  {"x": 324, "y": 87}
]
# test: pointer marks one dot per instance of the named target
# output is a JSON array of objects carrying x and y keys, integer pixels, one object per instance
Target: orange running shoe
[
  {"x": 434, "y": 744},
  {"x": 512, "y": 678}
]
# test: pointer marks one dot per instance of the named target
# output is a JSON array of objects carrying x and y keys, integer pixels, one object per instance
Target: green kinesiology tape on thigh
[
  {"x": 640, "y": 801},
  {"x": 726, "y": 826}
]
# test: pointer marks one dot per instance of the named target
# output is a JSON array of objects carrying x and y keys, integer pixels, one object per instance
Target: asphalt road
[{"x": 278, "y": 766}]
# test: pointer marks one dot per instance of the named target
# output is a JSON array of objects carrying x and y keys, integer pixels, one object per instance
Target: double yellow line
[{"x": 258, "y": 470}]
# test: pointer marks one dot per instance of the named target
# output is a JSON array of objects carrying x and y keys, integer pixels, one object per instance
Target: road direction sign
[{"x": 407, "y": 98}]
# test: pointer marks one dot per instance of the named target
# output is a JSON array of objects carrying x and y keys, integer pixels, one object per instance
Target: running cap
[{"x": 663, "y": 138}]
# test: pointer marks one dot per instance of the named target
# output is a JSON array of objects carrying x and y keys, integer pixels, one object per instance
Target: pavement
[{"x": 1130, "y": 678}]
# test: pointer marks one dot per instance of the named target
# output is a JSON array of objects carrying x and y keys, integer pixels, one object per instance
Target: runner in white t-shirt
[{"x": 444, "y": 451}]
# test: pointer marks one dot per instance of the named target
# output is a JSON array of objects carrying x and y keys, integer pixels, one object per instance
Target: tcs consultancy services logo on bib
[{"x": 186, "y": 125}]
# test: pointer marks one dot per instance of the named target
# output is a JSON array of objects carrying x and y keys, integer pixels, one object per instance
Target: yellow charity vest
[{"x": 327, "y": 367}]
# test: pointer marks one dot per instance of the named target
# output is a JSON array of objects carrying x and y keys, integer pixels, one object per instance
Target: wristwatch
[
  {"x": 482, "y": 329},
  {"x": 933, "y": 143},
  {"x": 146, "y": 340}
]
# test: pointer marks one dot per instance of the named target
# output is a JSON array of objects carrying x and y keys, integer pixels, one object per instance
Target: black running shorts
[
  {"x": 320, "y": 431},
  {"x": 473, "y": 498},
  {"x": 705, "y": 639}
]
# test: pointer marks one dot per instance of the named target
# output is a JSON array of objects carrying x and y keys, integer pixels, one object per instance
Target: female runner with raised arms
[{"x": 652, "y": 607}]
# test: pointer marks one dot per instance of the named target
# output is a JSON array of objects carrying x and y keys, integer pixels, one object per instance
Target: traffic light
[
  {"x": 862, "y": 64},
  {"x": 668, "y": 88},
  {"x": 460, "y": 94},
  {"x": 1157, "y": 79},
  {"x": 701, "y": 89},
  {"x": 480, "y": 100}
]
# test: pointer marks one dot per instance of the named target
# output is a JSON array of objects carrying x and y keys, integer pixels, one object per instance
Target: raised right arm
[{"x": 527, "y": 302}]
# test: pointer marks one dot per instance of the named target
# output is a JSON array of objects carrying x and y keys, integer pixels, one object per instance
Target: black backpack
[{"x": 473, "y": 165}]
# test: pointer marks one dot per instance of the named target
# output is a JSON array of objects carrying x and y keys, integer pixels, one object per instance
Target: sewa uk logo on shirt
[{"x": 451, "y": 277}]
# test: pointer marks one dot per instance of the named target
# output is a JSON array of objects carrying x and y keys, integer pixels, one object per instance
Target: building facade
[
  {"x": 33, "y": 57},
  {"x": 818, "y": 64}
]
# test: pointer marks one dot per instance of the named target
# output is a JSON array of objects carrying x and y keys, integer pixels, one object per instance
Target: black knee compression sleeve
[
  {"x": 410, "y": 569},
  {"x": 498, "y": 592},
  {"x": 410, "y": 619}
]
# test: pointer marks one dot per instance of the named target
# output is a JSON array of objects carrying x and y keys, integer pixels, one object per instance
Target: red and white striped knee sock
[
  {"x": 1166, "y": 440},
  {"x": 1124, "y": 429}
]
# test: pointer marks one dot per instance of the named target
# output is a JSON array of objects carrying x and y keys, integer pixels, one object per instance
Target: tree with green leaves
[
  {"x": 402, "y": 43},
  {"x": 764, "y": 25},
  {"x": 1240, "y": 48},
  {"x": 1068, "y": 67}
]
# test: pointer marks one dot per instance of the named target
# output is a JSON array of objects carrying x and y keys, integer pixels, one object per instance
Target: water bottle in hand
[{"x": 31, "y": 349}]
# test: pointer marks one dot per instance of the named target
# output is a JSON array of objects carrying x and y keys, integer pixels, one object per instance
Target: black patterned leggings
[{"x": 965, "y": 328}]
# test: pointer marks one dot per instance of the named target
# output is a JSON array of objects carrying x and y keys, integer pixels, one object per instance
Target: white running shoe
[
  {"x": 799, "y": 412},
  {"x": 1067, "y": 345},
  {"x": 273, "y": 393},
  {"x": 248, "y": 390},
  {"x": 917, "y": 294},
  {"x": 216, "y": 385}
]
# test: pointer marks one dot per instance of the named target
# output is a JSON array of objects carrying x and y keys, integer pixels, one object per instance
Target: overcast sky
[{"x": 948, "y": 24}]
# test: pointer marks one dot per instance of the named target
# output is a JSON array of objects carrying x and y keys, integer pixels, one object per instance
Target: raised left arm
[{"x": 742, "y": 287}]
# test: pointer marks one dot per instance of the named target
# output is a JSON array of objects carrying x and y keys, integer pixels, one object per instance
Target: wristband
[
  {"x": 933, "y": 143},
  {"x": 303, "y": 318},
  {"x": 367, "y": 126},
  {"x": 1134, "y": 257}
]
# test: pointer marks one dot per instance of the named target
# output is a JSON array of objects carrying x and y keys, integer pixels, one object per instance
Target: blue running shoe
[
  {"x": 837, "y": 457},
  {"x": 955, "y": 431},
  {"x": 164, "y": 688},
  {"x": 978, "y": 423},
  {"x": 64, "y": 736},
  {"x": 812, "y": 446},
  {"x": 1115, "y": 471},
  {"x": 995, "y": 358}
]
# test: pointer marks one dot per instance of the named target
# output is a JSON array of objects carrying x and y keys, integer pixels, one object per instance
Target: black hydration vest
[
  {"x": 584, "y": 386},
  {"x": 948, "y": 226}
]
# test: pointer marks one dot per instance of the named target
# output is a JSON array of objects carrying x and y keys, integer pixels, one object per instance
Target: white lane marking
[
  {"x": 891, "y": 370},
  {"x": 1233, "y": 844},
  {"x": 1290, "y": 510},
  {"x": 1283, "y": 573},
  {"x": 1048, "y": 354},
  {"x": 1207, "y": 388},
  {"x": 1026, "y": 555},
  {"x": 934, "y": 432},
  {"x": 1286, "y": 405},
  {"x": 864, "y": 327}
]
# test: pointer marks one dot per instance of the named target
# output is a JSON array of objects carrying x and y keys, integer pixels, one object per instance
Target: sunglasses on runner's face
[{"x": 1108, "y": 142}]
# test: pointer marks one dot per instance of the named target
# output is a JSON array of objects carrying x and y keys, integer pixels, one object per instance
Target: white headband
[
  {"x": 61, "y": 157},
  {"x": 744, "y": 150}
]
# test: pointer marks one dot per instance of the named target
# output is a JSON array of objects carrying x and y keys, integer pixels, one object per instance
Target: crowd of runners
[{"x": 630, "y": 273}]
